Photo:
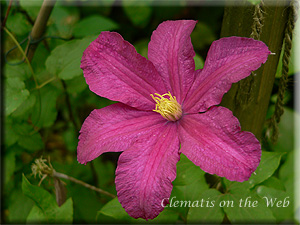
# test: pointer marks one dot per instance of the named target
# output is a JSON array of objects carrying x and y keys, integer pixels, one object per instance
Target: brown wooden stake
[{"x": 249, "y": 100}]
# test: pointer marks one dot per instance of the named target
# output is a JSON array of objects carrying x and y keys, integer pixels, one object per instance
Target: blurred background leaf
[{"x": 44, "y": 120}]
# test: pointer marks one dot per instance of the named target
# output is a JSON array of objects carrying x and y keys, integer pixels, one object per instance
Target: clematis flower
[{"x": 167, "y": 108}]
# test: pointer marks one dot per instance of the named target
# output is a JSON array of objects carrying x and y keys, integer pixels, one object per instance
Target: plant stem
[
  {"x": 7, "y": 13},
  {"x": 46, "y": 82},
  {"x": 39, "y": 26},
  {"x": 64, "y": 176},
  {"x": 23, "y": 53}
]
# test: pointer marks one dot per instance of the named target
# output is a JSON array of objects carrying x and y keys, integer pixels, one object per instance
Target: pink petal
[
  {"x": 113, "y": 69},
  {"x": 228, "y": 61},
  {"x": 171, "y": 51},
  {"x": 214, "y": 141},
  {"x": 145, "y": 173},
  {"x": 113, "y": 129}
]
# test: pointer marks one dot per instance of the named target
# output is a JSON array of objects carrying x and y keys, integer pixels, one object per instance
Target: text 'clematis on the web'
[{"x": 167, "y": 108}]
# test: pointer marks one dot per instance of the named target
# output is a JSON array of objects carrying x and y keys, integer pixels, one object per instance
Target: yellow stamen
[{"x": 170, "y": 109}]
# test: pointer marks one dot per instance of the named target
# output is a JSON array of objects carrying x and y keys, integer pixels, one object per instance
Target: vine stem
[
  {"x": 39, "y": 26},
  {"x": 27, "y": 61},
  {"x": 64, "y": 176},
  {"x": 7, "y": 13},
  {"x": 46, "y": 82},
  {"x": 23, "y": 53}
]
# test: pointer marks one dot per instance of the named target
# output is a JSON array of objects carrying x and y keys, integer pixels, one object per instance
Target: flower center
[{"x": 169, "y": 108}]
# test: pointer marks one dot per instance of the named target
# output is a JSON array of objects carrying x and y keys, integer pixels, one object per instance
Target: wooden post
[{"x": 249, "y": 99}]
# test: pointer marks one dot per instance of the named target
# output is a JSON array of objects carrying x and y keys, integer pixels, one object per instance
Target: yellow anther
[{"x": 169, "y": 108}]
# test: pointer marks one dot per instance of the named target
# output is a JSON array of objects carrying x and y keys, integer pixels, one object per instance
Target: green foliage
[
  {"x": 189, "y": 178},
  {"x": 208, "y": 208},
  {"x": 278, "y": 201},
  {"x": 64, "y": 60},
  {"x": 199, "y": 62},
  {"x": 19, "y": 71},
  {"x": 15, "y": 94},
  {"x": 139, "y": 14},
  {"x": 18, "y": 212},
  {"x": 43, "y": 119},
  {"x": 286, "y": 139},
  {"x": 63, "y": 20},
  {"x": 93, "y": 25},
  {"x": 45, "y": 112},
  {"x": 46, "y": 208},
  {"x": 9, "y": 166},
  {"x": 204, "y": 33},
  {"x": 31, "y": 9},
  {"x": 268, "y": 164},
  {"x": 114, "y": 212},
  {"x": 246, "y": 213},
  {"x": 18, "y": 24}
]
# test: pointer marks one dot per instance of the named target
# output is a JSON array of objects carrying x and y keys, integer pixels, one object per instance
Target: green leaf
[
  {"x": 9, "y": 166},
  {"x": 287, "y": 174},
  {"x": 142, "y": 47},
  {"x": 286, "y": 127},
  {"x": 76, "y": 85},
  {"x": 70, "y": 139},
  {"x": 252, "y": 209},
  {"x": 31, "y": 142},
  {"x": 62, "y": 21},
  {"x": 273, "y": 182},
  {"x": 45, "y": 201},
  {"x": 64, "y": 213},
  {"x": 36, "y": 216},
  {"x": 31, "y": 9},
  {"x": 17, "y": 71},
  {"x": 64, "y": 60},
  {"x": 167, "y": 216},
  {"x": 189, "y": 183},
  {"x": 107, "y": 179},
  {"x": 88, "y": 205},
  {"x": 207, "y": 207},
  {"x": 19, "y": 207},
  {"x": 199, "y": 62},
  {"x": 44, "y": 112},
  {"x": 10, "y": 136},
  {"x": 280, "y": 202},
  {"x": 15, "y": 94},
  {"x": 114, "y": 212},
  {"x": 41, "y": 197},
  {"x": 24, "y": 108},
  {"x": 267, "y": 166},
  {"x": 18, "y": 24},
  {"x": 202, "y": 36},
  {"x": 233, "y": 186},
  {"x": 26, "y": 136},
  {"x": 287, "y": 169},
  {"x": 188, "y": 173},
  {"x": 93, "y": 25},
  {"x": 139, "y": 14}
]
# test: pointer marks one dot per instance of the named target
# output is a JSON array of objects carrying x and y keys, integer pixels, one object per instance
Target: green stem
[
  {"x": 23, "y": 53},
  {"x": 64, "y": 176}
]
